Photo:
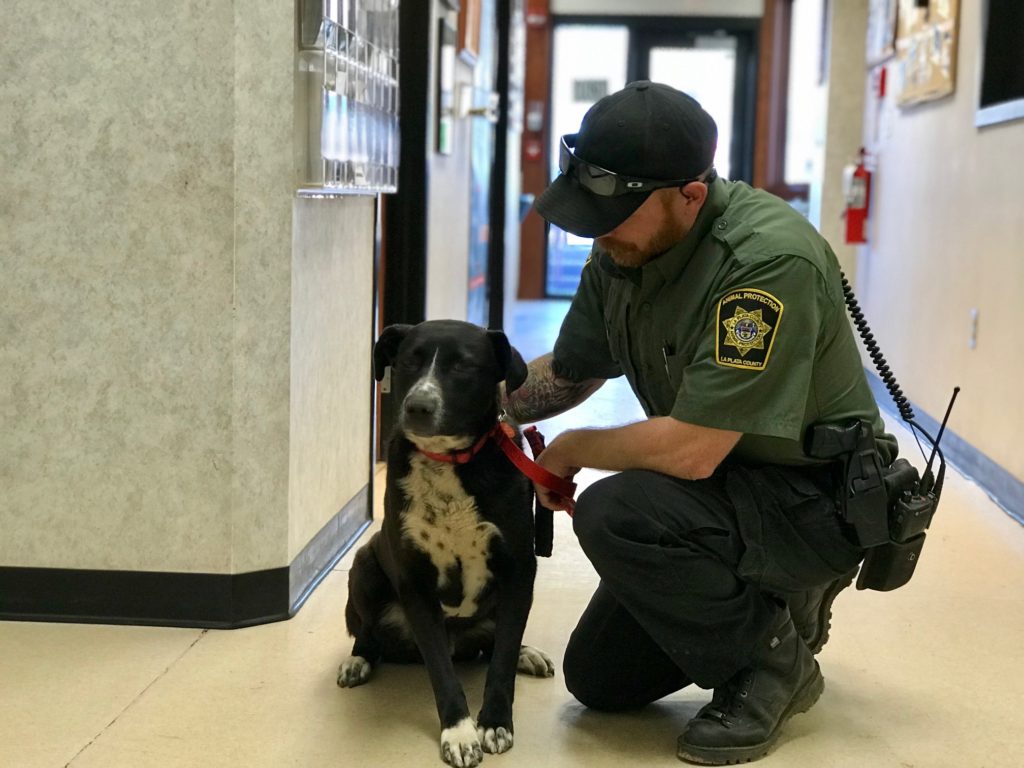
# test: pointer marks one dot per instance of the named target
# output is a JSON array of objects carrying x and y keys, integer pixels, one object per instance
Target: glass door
[
  {"x": 711, "y": 59},
  {"x": 716, "y": 67},
  {"x": 708, "y": 73},
  {"x": 589, "y": 61}
]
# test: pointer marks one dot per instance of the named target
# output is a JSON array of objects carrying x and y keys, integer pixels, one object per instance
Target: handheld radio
[{"x": 890, "y": 508}]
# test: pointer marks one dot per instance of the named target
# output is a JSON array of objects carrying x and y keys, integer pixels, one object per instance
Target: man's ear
[
  {"x": 695, "y": 192},
  {"x": 386, "y": 348},
  {"x": 510, "y": 362}
]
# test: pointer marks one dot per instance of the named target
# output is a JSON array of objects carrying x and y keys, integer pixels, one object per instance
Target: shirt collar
[{"x": 671, "y": 264}]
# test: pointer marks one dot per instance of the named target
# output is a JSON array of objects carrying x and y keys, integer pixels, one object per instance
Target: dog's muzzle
[{"x": 422, "y": 407}]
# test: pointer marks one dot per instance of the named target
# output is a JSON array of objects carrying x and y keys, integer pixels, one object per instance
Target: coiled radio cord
[{"x": 906, "y": 411}]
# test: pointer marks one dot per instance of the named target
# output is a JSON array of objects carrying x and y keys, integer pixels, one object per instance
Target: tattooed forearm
[{"x": 545, "y": 395}]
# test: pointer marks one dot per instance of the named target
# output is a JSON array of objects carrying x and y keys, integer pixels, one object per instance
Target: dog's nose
[{"x": 421, "y": 406}]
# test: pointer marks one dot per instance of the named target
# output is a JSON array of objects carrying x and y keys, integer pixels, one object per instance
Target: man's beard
[
  {"x": 629, "y": 255},
  {"x": 623, "y": 254}
]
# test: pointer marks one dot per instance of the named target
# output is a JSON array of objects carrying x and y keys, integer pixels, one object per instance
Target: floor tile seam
[{"x": 137, "y": 697}]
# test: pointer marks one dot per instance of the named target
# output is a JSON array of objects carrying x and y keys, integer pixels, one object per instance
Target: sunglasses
[{"x": 603, "y": 182}]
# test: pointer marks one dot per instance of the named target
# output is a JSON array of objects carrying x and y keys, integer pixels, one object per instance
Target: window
[{"x": 1002, "y": 79}]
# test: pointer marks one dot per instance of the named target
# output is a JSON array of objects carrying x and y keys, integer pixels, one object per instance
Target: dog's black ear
[
  {"x": 510, "y": 362},
  {"x": 386, "y": 348}
]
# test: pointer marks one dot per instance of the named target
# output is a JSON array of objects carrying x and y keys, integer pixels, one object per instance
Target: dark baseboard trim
[
  {"x": 327, "y": 547},
  {"x": 1001, "y": 486},
  {"x": 166, "y": 599}
]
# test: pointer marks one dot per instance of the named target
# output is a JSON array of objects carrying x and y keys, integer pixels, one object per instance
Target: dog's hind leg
[
  {"x": 356, "y": 669},
  {"x": 368, "y": 593},
  {"x": 534, "y": 662}
]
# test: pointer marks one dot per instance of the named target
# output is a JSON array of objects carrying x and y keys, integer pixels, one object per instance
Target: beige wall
[
  {"x": 947, "y": 235},
  {"x": 264, "y": 184},
  {"x": 158, "y": 384},
  {"x": 332, "y": 323},
  {"x": 847, "y": 30},
  {"x": 117, "y": 213}
]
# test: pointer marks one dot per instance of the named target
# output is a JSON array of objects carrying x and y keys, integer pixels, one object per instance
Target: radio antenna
[{"x": 938, "y": 437}]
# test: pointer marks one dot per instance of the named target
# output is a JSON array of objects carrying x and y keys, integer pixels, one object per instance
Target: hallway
[{"x": 921, "y": 678}]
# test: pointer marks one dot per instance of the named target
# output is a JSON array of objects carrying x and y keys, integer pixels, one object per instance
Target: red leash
[
  {"x": 564, "y": 488},
  {"x": 502, "y": 435}
]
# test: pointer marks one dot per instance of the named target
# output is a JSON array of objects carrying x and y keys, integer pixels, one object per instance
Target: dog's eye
[{"x": 464, "y": 366}]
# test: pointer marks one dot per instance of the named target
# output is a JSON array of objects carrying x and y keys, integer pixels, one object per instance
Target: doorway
[{"x": 714, "y": 60}]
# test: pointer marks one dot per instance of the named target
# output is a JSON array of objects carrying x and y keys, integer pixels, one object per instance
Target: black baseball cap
[{"x": 648, "y": 131}]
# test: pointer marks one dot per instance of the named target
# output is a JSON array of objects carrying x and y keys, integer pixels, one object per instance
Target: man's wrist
[{"x": 565, "y": 446}]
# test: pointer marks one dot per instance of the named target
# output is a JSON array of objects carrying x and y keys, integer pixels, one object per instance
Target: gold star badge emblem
[
  {"x": 750, "y": 333},
  {"x": 745, "y": 330}
]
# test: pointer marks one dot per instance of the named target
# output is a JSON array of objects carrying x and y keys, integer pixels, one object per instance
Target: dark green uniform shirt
[{"x": 740, "y": 326}]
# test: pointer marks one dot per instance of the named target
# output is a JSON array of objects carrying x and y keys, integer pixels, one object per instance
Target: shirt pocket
[
  {"x": 675, "y": 366},
  {"x": 677, "y": 358}
]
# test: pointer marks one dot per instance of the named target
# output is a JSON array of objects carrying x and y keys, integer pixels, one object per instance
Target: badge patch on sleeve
[{"x": 748, "y": 321}]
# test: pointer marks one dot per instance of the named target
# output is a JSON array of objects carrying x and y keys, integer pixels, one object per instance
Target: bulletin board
[{"x": 926, "y": 49}]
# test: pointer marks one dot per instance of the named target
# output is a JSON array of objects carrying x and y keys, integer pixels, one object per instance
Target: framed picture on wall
[
  {"x": 469, "y": 30},
  {"x": 927, "y": 50}
]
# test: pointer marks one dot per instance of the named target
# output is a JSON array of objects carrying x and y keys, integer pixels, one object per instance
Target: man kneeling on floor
[{"x": 718, "y": 544}]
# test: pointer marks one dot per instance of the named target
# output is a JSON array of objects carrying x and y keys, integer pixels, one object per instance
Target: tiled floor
[{"x": 926, "y": 677}]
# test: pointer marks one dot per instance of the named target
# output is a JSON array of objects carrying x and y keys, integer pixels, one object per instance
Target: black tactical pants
[{"x": 689, "y": 573}]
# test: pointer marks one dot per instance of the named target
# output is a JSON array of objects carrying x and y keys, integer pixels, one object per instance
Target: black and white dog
[{"x": 450, "y": 574}]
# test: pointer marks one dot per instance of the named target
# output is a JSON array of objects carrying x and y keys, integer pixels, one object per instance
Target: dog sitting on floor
[{"x": 450, "y": 574}]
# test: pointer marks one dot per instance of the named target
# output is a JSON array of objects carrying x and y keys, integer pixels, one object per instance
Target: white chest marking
[{"x": 443, "y": 521}]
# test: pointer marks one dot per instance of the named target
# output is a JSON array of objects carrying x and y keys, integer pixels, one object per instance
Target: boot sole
[
  {"x": 825, "y": 612},
  {"x": 805, "y": 698}
]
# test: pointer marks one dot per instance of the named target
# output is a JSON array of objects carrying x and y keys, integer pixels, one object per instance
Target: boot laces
[{"x": 728, "y": 701}]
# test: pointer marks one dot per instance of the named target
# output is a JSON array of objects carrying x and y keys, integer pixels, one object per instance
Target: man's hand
[{"x": 554, "y": 460}]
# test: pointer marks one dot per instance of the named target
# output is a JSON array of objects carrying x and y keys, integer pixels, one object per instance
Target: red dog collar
[{"x": 463, "y": 457}]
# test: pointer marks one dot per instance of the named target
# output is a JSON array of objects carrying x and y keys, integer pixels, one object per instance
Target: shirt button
[
  {"x": 645, "y": 308},
  {"x": 723, "y": 224}
]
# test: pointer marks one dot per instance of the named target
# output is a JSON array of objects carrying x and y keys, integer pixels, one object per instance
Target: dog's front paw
[
  {"x": 460, "y": 745},
  {"x": 535, "y": 662},
  {"x": 495, "y": 740},
  {"x": 355, "y": 670}
]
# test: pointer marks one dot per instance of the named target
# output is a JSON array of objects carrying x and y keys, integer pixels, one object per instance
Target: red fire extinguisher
[{"x": 857, "y": 190}]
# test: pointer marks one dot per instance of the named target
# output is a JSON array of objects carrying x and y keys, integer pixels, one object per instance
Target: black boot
[
  {"x": 812, "y": 610},
  {"x": 746, "y": 715}
]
